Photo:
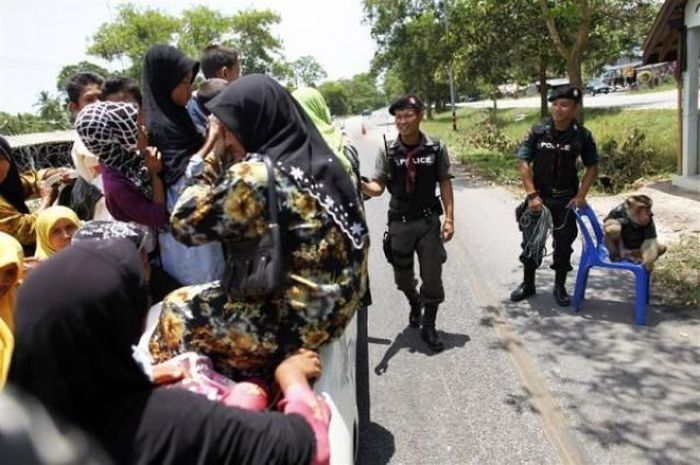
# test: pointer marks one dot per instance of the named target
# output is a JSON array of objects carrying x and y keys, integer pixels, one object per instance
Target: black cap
[
  {"x": 570, "y": 92},
  {"x": 407, "y": 101}
]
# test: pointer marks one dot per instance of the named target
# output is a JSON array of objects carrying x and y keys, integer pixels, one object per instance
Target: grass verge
[
  {"x": 677, "y": 274},
  {"x": 489, "y": 149}
]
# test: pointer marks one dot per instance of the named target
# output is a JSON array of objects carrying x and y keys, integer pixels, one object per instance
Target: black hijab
[
  {"x": 268, "y": 120},
  {"x": 170, "y": 127},
  {"x": 11, "y": 188},
  {"x": 78, "y": 316}
]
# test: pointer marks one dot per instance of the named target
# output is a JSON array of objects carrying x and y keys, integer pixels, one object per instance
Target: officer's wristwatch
[{"x": 532, "y": 195}]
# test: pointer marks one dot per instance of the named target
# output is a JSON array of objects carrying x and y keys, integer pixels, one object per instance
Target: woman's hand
[
  {"x": 299, "y": 368},
  {"x": 153, "y": 161},
  {"x": 165, "y": 373}
]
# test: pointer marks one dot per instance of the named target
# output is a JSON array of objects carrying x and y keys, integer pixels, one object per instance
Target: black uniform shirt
[
  {"x": 543, "y": 140},
  {"x": 443, "y": 170},
  {"x": 381, "y": 164},
  {"x": 633, "y": 235}
]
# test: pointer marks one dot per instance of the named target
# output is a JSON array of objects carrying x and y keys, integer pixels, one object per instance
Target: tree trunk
[
  {"x": 429, "y": 110},
  {"x": 494, "y": 110},
  {"x": 543, "y": 86}
]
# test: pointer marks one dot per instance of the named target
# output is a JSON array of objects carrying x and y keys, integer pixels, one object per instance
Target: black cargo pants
[{"x": 422, "y": 237}]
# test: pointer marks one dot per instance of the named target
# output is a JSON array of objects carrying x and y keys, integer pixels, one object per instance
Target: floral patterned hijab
[{"x": 267, "y": 120}]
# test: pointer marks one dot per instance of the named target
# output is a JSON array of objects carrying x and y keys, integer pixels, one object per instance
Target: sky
[{"x": 39, "y": 37}]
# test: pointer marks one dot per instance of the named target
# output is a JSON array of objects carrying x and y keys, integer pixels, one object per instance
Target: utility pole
[{"x": 449, "y": 72}]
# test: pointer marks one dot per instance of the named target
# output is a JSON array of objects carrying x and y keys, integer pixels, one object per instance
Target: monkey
[{"x": 630, "y": 232}]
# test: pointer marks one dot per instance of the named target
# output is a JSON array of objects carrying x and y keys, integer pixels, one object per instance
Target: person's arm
[
  {"x": 526, "y": 154},
  {"x": 447, "y": 195},
  {"x": 154, "y": 165},
  {"x": 292, "y": 375},
  {"x": 589, "y": 178},
  {"x": 589, "y": 157},
  {"x": 19, "y": 225},
  {"x": 234, "y": 208},
  {"x": 375, "y": 186},
  {"x": 131, "y": 203}
]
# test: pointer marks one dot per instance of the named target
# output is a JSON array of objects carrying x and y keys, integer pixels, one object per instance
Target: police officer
[
  {"x": 410, "y": 167},
  {"x": 549, "y": 174}
]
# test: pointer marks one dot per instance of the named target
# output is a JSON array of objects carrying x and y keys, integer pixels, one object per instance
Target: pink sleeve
[{"x": 301, "y": 400}]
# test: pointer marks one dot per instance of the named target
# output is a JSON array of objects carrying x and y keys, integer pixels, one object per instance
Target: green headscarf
[{"x": 315, "y": 106}]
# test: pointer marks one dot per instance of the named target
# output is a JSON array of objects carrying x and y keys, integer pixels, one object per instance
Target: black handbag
[{"x": 255, "y": 267}]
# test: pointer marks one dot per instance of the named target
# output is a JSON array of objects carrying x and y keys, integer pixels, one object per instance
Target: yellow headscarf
[
  {"x": 10, "y": 253},
  {"x": 316, "y": 109},
  {"x": 45, "y": 221}
]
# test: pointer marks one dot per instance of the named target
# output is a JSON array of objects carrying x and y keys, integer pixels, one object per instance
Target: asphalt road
[{"x": 519, "y": 384}]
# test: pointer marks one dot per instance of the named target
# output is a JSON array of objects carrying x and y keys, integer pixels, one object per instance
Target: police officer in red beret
[
  {"x": 411, "y": 167},
  {"x": 549, "y": 174}
]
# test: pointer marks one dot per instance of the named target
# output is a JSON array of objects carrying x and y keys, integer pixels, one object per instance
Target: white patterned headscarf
[{"x": 110, "y": 131}]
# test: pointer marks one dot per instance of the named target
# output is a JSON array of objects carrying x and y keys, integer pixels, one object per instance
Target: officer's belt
[
  {"x": 559, "y": 193},
  {"x": 419, "y": 214}
]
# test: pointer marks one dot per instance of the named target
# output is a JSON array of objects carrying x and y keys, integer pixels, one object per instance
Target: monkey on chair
[{"x": 630, "y": 232}]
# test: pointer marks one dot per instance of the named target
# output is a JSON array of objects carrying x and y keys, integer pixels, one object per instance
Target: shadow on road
[
  {"x": 378, "y": 446},
  {"x": 410, "y": 339},
  {"x": 632, "y": 388}
]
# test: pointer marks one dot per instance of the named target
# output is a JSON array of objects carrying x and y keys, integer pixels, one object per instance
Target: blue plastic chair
[{"x": 596, "y": 254}]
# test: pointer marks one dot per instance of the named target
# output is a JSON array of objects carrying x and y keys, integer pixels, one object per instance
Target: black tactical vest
[
  {"x": 426, "y": 162},
  {"x": 554, "y": 165}
]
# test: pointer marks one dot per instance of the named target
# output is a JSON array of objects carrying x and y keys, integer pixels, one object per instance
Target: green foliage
[
  {"x": 624, "y": 161},
  {"x": 677, "y": 273},
  {"x": 352, "y": 96},
  {"x": 201, "y": 27},
  {"x": 136, "y": 29},
  {"x": 258, "y": 48},
  {"x": 131, "y": 34},
  {"x": 307, "y": 71},
  {"x": 84, "y": 66},
  {"x": 489, "y": 136},
  {"x": 647, "y": 138},
  {"x": 24, "y": 123},
  {"x": 336, "y": 96}
]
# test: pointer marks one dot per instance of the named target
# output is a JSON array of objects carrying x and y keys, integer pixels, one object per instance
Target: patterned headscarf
[
  {"x": 110, "y": 131},
  {"x": 100, "y": 230}
]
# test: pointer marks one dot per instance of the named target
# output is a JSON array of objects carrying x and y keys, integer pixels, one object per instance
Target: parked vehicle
[{"x": 598, "y": 87}]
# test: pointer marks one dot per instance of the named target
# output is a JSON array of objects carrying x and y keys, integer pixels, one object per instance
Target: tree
[
  {"x": 335, "y": 94},
  {"x": 307, "y": 71},
  {"x": 258, "y": 48},
  {"x": 53, "y": 110},
  {"x": 201, "y": 27},
  {"x": 69, "y": 70},
  {"x": 131, "y": 34},
  {"x": 411, "y": 39},
  {"x": 609, "y": 26}
]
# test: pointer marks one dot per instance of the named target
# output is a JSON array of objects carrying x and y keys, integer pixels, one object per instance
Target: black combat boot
[
  {"x": 415, "y": 314},
  {"x": 560, "y": 294},
  {"x": 428, "y": 333},
  {"x": 527, "y": 287}
]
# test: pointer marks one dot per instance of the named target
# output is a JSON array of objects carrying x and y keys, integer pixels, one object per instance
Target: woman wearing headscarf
[
  {"x": 132, "y": 185},
  {"x": 11, "y": 264},
  {"x": 324, "y": 239},
  {"x": 15, "y": 217},
  {"x": 73, "y": 353},
  {"x": 55, "y": 227},
  {"x": 167, "y": 88},
  {"x": 313, "y": 103}
]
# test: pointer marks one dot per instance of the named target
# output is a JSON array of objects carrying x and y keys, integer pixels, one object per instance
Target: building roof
[
  {"x": 40, "y": 138},
  {"x": 662, "y": 42}
]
